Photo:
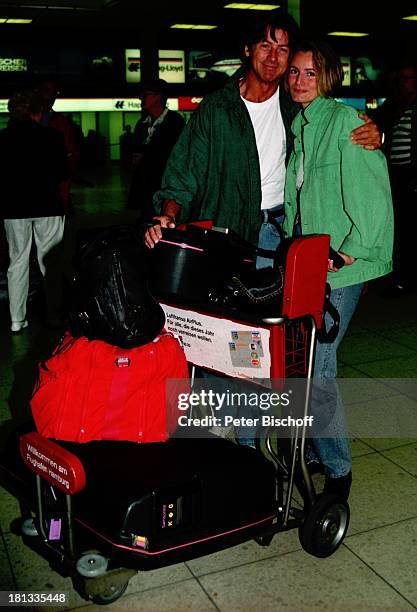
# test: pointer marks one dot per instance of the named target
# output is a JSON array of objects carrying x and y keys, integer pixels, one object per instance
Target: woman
[{"x": 334, "y": 187}]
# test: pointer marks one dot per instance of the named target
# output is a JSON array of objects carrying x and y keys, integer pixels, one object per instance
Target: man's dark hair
[
  {"x": 258, "y": 28},
  {"x": 158, "y": 86},
  {"x": 25, "y": 103}
]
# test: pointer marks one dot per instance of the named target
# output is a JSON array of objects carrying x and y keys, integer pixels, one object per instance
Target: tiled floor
[{"x": 376, "y": 567}]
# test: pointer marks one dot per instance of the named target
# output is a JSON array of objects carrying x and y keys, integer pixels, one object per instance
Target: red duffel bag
[{"x": 91, "y": 390}]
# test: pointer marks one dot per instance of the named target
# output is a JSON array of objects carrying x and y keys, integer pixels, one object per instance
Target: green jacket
[
  {"x": 213, "y": 171},
  {"x": 345, "y": 193}
]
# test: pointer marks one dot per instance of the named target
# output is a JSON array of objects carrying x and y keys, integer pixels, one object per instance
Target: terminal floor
[{"x": 376, "y": 567}]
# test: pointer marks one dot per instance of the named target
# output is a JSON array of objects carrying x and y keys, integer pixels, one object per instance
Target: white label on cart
[{"x": 229, "y": 347}]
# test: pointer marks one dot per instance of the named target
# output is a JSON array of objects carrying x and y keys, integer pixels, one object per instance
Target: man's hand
[
  {"x": 367, "y": 135},
  {"x": 348, "y": 259},
  {"x": 154, "y": 234}
]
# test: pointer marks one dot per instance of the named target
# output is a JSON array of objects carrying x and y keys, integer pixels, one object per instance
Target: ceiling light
[
  {"x": 192, "y": 26},
  {"x": 7, "y": 20},
  {"x": 410, "y": 18},
  {"x": 352, "y": 34},
  {"x": 252, "y": 7},
  {"x": 61, "y": 7}
]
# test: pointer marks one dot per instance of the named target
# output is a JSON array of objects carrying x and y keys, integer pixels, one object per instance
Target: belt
[{"x": 269, "y": 215}]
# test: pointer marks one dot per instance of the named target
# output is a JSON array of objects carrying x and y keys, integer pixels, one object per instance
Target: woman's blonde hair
[{"x": 327, "y": 63}]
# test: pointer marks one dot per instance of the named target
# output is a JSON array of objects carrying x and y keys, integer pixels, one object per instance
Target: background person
[
  {"x": 154, "y": 137},
  {"x": 48, "y": 90},
  {"x": 333, "y": 187},
  {"x": 33, "y": 167},
  {"x": 126, "y": 144},
  {"x": 397, "y": 117},
  {"x": 229, "y": 163}
]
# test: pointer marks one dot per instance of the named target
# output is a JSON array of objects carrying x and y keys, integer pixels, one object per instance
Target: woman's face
[{"x": 302, "y": 78}]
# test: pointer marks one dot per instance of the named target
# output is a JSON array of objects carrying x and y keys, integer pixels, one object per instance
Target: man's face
[
  {"x": 269, "y": 57},
  {"x": 149, "y": 100},
  {"x": 407, "y": 83}
]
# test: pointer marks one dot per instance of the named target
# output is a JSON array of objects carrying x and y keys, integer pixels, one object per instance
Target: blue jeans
[
  {"x": 269, "y": 239},
  {"x": 327, "y": 408}
]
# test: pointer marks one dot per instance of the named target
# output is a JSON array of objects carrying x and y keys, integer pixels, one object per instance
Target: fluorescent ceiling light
[
  {"x": 352, "y": 34},
  {"x": 252, "y": 7},
  {"x": 51, "y": 7},
  {"x": 410, "y": 18},
  {"x": 7, "y": 20},
  {"x": 192, "y": 26}
]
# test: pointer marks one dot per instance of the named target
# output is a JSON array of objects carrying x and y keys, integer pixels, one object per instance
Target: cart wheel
[
  {"x": 325, "y": 525},
  {"x": 92, "y": 565},
  {"x": 110, "y": 595},
  {"x": 28, "y": 528},
  {"x": 263, "y": 540}
]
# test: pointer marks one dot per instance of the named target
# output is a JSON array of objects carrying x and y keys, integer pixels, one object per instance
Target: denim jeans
[
  {"x": 327, "y": 407},
  {"x": 269, "y": 239}
]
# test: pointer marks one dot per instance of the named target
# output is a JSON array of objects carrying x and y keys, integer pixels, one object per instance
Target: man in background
[
  {"x": 154, "y": 137},
  {"x": 397, "y": 118}
]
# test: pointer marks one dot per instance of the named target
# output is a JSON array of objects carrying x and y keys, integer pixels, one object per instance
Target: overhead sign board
[
  {"x": 13, "y": 64},
  {"x": 79, "y": 105},
  {"x": 172, "y": 66},
  {"x": 132, "y": 60}
]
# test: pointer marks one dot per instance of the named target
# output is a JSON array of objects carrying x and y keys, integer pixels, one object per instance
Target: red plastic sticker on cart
[{"x": 52, "y": 463}]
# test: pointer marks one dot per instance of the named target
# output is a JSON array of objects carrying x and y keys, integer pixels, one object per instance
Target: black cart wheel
[
  {"x": 325, "y": 525},
  {"x": 263, "y": 540},
  {"x": 110, "y": 595}
]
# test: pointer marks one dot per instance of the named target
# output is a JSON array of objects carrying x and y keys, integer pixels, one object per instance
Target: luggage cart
[
  {"x": 322, "y": 520},
  {"x": 101, "y": 511}
]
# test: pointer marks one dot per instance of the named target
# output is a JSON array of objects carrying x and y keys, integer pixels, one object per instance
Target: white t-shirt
[{"x": 271, "y": 144}]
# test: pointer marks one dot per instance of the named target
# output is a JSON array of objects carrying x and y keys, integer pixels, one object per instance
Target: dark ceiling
[
  {"x": 151, "y": 17},
  {"x": 102, "y": 25}
]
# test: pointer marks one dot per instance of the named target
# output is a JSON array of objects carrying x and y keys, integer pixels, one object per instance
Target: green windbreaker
[
  {"x": 346, "y": 191},
  {"x": 213, "y": 171}
]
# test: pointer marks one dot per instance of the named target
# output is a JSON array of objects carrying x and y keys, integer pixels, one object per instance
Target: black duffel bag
[{"x": 110, "y": 299}]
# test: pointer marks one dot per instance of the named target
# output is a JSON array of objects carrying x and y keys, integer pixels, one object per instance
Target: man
[
  {"x": 33, "y": 164},
  {"x": 229, "y": 163},
  {"x": 397, "y": 117},
  {"x": 154, "y": 137}
]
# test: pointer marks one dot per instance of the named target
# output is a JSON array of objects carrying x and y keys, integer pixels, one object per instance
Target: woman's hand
[{"x": 348, "y": 259}]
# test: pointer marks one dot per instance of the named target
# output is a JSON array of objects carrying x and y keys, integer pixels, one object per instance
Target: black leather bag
[{"x": 110, "y": 299}]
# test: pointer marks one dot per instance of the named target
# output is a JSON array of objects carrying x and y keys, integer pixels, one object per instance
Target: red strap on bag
[{"x": 117, "y": 398}]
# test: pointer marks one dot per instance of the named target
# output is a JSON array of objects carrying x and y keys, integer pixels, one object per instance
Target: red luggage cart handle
[{"x": 52, "y": 463}]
